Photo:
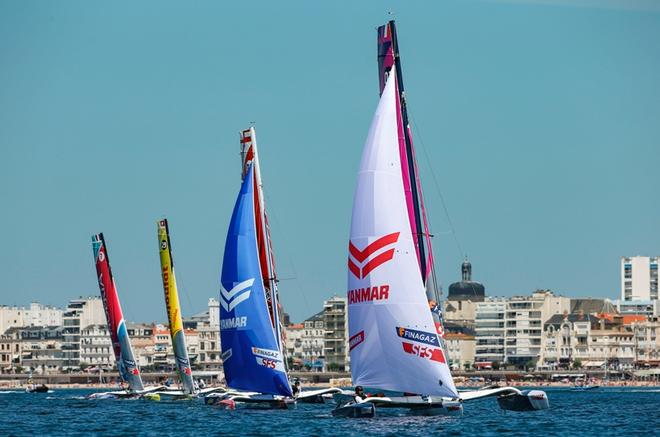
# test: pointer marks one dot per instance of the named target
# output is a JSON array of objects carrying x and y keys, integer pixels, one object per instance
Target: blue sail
[{"x": 251, "y": 356}]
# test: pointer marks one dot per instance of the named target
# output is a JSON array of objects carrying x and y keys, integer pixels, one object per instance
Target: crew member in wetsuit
[{"x": 360, "y": 395}]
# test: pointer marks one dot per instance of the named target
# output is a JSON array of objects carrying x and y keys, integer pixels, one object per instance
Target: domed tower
[{"x": 467, "y": 289}]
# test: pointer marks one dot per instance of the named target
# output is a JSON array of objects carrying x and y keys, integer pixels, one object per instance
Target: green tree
[{"x": 577, "y": 364}]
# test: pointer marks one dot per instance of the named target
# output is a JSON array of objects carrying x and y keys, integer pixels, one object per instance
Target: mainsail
[
  {"x": 393, "y": 340},
  {"x": 173, "y": 308},
  {"x": 251, "y": 356},
  {"x": 121, "y": 345}
]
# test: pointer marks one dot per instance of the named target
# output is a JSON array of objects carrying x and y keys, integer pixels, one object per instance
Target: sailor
[
  {"x": 360, "y": 395},
  {"x": 201, "y": 383},
  {"x": 295, "y": 389}
]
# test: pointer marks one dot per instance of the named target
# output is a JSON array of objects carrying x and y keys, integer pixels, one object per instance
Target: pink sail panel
[
  {"x": 405, "y": 172},
  {"x": 427, "y": 233}
]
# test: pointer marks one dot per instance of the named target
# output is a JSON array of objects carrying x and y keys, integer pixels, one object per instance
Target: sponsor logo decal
[
  {"x": 226, "y": 355},
  {"x": 364, "y": 262},
  {"x": 426, "y": 352},
  {"x": 355, "y": 340},
  {"x": 240, "y": 292},
  {"x": 268, "y": 358},
  {"x": 233, "y": 322},
  {"x": 163, "y": 244},
  {"x": 266, "y": 353},
  {"x": 419, "y": 336},
  {"x": 369, "y": 294},
  {"x": 101, "y": 255}
]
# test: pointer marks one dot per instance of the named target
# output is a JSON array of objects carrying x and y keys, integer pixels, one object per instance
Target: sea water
[{"x": 600, "y": 412}]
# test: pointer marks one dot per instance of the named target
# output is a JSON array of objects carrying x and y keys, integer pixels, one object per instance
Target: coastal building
[
  {"x": 650, "y": 308},
  {"x": 466, "y": 289},
  {"x": 639, "y": 278},
  {"x": 293, "y": 344},
  {"x": 313, "y": 340},
  {"x": 163, "y": 358},
  {"x": 524, "y": 319},
  {"x": 143, "y": 342},
  {"x": 647, "y": 342},
  {"x": 6, "y": 353},
  {"x": 40, "y": 348},
  {"x": 461, "y": 350},
  {"x": 192, "y": 344},
  {"x": 209, "y": 347},
  {"x": 489, "y": 332},
  {"x": 566, "y": 340},
  {"x": 35, "y": 315},
  {"x": 611, "y": 345},
  {"x": 96, "y": 347},
  {"x": 78, "y": 314},
  {"x": 208, "y": 331},
  {"x": 335, "y": 339}
]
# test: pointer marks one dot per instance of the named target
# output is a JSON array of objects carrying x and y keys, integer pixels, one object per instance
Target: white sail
[{"x": 393, "y": 340}]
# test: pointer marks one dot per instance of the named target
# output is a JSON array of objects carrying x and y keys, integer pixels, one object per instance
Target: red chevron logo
[{"x": 362, "y": 255}]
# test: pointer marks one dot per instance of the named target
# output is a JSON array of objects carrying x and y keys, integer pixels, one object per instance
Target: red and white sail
[{"x": 393, "y": 340}]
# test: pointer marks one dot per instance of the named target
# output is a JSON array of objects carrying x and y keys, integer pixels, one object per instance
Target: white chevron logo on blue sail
[{"x": 240, "y": 292}]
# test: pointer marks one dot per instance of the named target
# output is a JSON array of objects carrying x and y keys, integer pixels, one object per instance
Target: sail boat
[
  {"x": 177, "y": 334},
  {"x": 121, "y": 344},
  {"x": 395, "y": 329},
  {"x": 251, "y": 333},
  {"x": 252, "y": 357}
]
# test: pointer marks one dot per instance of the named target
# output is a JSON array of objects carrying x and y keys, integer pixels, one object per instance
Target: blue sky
[{"x": 539, "y": 121}]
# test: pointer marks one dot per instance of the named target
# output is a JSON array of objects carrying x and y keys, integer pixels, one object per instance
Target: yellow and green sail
[{"x": 174, "y": 309}]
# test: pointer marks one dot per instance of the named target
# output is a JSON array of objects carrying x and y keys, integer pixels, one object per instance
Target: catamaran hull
[
  {"x": 527, "y": 400},
  {"x": 361, "y": 410},
  {"x": 415, "y": 405},
  {"x": 250, "y": 400}
]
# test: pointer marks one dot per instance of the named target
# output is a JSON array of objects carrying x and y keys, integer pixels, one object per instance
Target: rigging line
[
  {"x": 275, "y": 219},
  {"x": 437, "y": 185}
]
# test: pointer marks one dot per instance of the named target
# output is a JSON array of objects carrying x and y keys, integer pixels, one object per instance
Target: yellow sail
[{"x": 173, "y": 308}]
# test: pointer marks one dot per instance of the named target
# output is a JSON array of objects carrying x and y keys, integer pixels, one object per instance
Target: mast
[
  {"x": 177, "y": 333},
  {"x": 121, "y": 344},
  {"x": 389, "y": 57},
  {"x": 250, "y": 155}
]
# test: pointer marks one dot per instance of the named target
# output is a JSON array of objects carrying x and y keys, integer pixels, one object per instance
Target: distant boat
[
  {"x": 121, "y": 344},
  {"x": 584, "y": 387},
  {"x": 395, "y": 326},
  {"x": 36, "y": 388},
  {"x": 177, "y": 334}
]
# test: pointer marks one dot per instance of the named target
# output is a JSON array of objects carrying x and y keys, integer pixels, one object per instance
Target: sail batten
[
  {"x": 121, "y": 344},
  {"x": 177, "y": 333},
  {"x": 393, "y": 340}
]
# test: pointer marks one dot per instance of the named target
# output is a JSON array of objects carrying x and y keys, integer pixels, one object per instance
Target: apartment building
[
  {"x": 79, "y": 313},
  {"x": 489, "y": 332},
  {"x": 335, "y": 338},
  {"x": 639, "y": 278},
  {"x": 96, "y": 347}
]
